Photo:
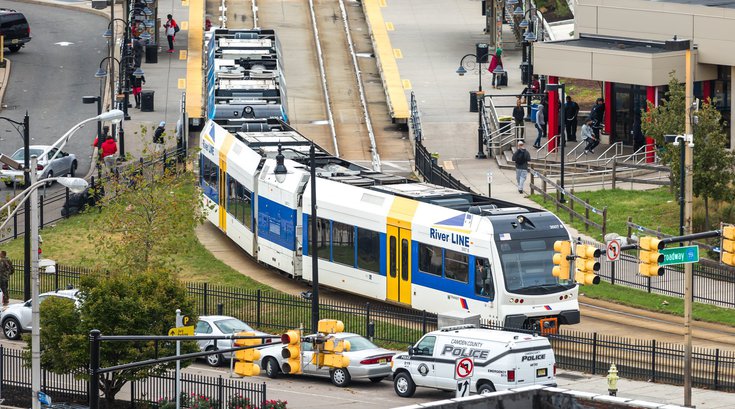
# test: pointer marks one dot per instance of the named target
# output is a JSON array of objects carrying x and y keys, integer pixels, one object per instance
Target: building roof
[
  {"x": 617, "y": 44},
  {"x": 730, "y": 4}
]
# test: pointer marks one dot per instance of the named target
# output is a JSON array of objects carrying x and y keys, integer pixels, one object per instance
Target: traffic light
[
  {"x": 586, "y": 264},
  {"x": 562, "y": 266},
  {"x": 327, "y": 326},
  {"x": 650, "y": 257},
  {"x": 245, "y": 365},
  {"x": 727, "y": 253},
  {"x": 291, "y": 352},
  {"x": 327, "y": 348}
]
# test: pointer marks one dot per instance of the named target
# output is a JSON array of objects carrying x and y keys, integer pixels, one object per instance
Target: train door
[{"x": 398, "y": 271}]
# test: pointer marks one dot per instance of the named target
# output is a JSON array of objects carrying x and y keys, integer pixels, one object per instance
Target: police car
[{"x": 502, "y": 360}]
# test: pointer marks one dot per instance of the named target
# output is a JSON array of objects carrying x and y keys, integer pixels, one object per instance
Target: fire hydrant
[{"x": 612, "y": 380}]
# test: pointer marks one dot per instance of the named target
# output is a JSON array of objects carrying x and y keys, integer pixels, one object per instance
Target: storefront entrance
[{"x": 628, "y": 100}]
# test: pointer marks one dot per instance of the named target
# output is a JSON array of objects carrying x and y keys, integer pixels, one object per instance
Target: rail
[
  {"x": 635, "y": 166},
  {"x": 255, "y": 14},
  {"x": 415, "y": 119}
]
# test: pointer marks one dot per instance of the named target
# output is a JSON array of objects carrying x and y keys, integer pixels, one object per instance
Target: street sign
[
  {"x": 464, "y": 368},
  {"x": 612, "y": 250},
  {"x": 463, "y": 388},
  {"x": 680, "y": 255},
  {"x": 180, "y": 331}
]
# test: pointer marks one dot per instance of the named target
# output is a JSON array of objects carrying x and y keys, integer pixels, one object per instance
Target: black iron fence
[{"x": 15, "y": 387}]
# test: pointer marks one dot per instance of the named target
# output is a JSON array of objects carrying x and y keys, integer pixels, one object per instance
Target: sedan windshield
[
  {"x": 18, "y": 155},
  {"x": 527, "y": 265},
  {"x": 358, "y": 343},
  {"x": 232, "y": 325}
]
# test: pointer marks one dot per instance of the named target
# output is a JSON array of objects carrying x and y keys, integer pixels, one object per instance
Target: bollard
[
  {"x": 612, "y": 380},
  {"x": 371, "y": 330},
  {"x": 220, "y": 309}
]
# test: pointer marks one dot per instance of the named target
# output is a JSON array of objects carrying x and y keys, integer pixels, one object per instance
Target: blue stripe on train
[{"x": 277, "y": 223}]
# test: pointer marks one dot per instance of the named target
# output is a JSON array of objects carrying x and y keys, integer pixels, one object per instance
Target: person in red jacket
[{"x": 109, "y": 149}]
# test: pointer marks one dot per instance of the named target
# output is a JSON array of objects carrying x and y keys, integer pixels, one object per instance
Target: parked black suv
[{"x": 15, "y": 28}]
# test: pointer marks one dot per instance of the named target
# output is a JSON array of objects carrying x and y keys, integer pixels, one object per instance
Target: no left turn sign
[
  {"x": 464, "y": 368},
  {"x": 613, "y": 250}
]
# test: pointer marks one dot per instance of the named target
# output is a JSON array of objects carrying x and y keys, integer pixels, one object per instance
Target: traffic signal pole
[{"x": 688, "y": 276}]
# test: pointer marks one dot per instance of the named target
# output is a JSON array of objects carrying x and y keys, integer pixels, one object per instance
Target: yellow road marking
[
  {"x": 448, "y": 165},
  {"x": 406, "y": 84},
  {"x": 389, "y": 26},
  {"x": 182, "y": 54},
  {"x": 182, "y": 83},
  {"x": 397, "y": 53}
]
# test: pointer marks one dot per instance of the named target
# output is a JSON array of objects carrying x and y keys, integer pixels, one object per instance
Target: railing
[
  {"x": 416, "y": 119},
  {"x": 633, "y": 167},
  {"x": 650, "y": 232}
]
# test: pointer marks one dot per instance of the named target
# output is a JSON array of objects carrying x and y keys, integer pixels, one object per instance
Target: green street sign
[{"x": 680, "y": 255}]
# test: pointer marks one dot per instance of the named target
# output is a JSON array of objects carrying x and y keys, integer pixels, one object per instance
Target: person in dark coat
[
  {"x": 518, "y": 115},
  {"x": 571, "y": 110},
  {"x": 136, "y": 83},
  {"x": 521, "y": 157}
]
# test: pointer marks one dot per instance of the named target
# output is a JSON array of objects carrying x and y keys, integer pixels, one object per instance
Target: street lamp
[
  {"x": 281, "y": 171},
  {"x": 676, "y": 141},
  {"x": 562, "y": 139},
  {"x": 27, "y": 210}
]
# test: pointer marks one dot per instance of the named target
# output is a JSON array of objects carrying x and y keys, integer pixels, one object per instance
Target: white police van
[{"x": 502, "y": 359}]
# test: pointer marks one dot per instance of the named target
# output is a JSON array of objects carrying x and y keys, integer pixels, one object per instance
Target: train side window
[
  {"x": 404, "y": 260},
  {"x": 484, "y": 285},
  {"x": 209, "y": 173},
  {"x": 322, "y": 238},
  {"x": 239, "y": 202},
  {"x": 430, "y": 259},
  {"x": 393, "y": 256},
  {"x": 368, "y": 250},
  {"x": 343, "y": 244},
  {"x": 455, "y": 266}
]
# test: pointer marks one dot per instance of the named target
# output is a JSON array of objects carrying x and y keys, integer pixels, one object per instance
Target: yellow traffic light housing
[
  {"x": 586, "y": 264},
  {"x": 332, "y": 350},
  {"x": 727, "y": 252},
  {"x": 562, "y": 265},
  {"x": 649, "y": 257},
  {"x": 245, "y": 365},
  {"x": 327, "y": 326},
  {"x": 291, "y": 352}
]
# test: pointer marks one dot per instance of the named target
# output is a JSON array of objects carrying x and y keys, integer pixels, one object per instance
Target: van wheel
[
  {"x": 340, "y": 377},
  {"x": 404, "y": 385},
  {"x": 485, "y": 388}
]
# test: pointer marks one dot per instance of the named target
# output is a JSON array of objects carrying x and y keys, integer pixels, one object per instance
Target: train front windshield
[{"x": 527, "y": 265}]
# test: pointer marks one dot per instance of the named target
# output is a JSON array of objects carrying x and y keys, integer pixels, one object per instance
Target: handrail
[
  {"x": 553, "y": 151},
  {"x": 576, "y": 147}
]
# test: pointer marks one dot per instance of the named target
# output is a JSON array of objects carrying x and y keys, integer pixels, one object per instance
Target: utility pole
[{"x": 688, "y": 276}]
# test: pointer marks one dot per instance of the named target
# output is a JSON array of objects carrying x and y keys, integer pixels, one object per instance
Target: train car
[{"x": 382, "y": 236}]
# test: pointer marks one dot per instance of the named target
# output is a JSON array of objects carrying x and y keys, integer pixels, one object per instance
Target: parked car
[
  {"x": 16, "y": 319},
  {"x": 367, "y": 361},
  {"x": 64, "y": 164},
  {"x": 15, "y": 28},
  {"x": 221, "y": 325}
]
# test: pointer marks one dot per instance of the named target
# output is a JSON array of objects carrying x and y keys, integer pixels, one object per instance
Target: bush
[
  {"x": 239, "y": 402},
  {"x": 274, "y": 404},
  {"x": 192, "y": 401}
]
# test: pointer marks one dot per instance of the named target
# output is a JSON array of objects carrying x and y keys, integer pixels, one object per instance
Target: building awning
[{"x": 615, "y": 59}]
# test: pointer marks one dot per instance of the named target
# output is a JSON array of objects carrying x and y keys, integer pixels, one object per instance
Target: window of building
[
  {"x": 484, "y": 278},
  {"x": 239, "y": 202},
  {"x": 368, "y": 250},
  {"x": 455, "y": 266},
  {"x": 430, "y": 259},
  {"x": 343, "y": 244}
]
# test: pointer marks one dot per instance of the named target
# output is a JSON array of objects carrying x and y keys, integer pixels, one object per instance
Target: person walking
[
  {"x": 171, "y": 29},
  {"x": 518, "y": 115},
  {"x": 495, "y": 62},
  {"x": 158, "y": 136},
  {"x": 136, "y": 83},
  {"x": 109, "y": 149},
  {"x": 540, "y": 126},
  {"x": 571, "y": 111},
  {"x": 6, "y": 270},
  {"x": 521, "y": 157}
]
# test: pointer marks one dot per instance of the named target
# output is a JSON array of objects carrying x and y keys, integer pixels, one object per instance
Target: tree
[
  {"x": 116, "y": 304},
  {"x": 713, "y": 174}
]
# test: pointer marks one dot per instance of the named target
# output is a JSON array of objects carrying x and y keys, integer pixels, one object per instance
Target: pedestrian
[
  {"x": 589, "y": 136},
  {"x": 597, "y": 115},
  {"x": 6, "y": 270},
  {"x": 158, "y": 136},
  {"x": 495, "y": 62},
  {"x": 540, "y": 126},
  {"x": 109, "y": 149},
  {"x": 518, "y": 115},
  {"x": 571, "y": 111},
  {"x": 105, "y": 134},
  {"x": 535, "y": 84},
  {"x": 136, "y": 83},
  {"x": 521, "y": 157},
  {"x": 171, "y": 29}
]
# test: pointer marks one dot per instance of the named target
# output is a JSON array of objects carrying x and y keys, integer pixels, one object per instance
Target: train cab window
[
  {"x": 368, "y": 250},
  {"x": 425, "y": 346},
  {"x": 455, "y": 266},
  {"x": 404, "y": 260},
  {"x": 209, "y": 174},
  {"x": 322, "y": 237},
  {"x": 343, "y": 244},
  {"x": 430, "y": 259},
  {"x": 484, "y": 278},
  {"x": 393, "y": 254},
  {"x": 239, "y": 202}
]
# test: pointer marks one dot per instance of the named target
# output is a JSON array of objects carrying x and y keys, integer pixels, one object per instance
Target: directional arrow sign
[
  {"x": 181, "y": 331},
  {"x": 680, "y": 255}
]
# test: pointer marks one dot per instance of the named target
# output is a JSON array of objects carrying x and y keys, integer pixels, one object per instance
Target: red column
[
  {"x": 608, "y": 107},
  {"x": 553, "y": 119},
  {"x": 650, "y": 142},
  {"x": 706, "y": 90}
]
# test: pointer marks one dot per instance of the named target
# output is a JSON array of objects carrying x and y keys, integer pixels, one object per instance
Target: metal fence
[{"x": 15, "y": 386}]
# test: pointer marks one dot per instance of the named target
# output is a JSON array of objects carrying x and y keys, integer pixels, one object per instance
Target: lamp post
[
  {"x": 562, "y": 141},
  {"x": 281, "y": 172},
  {"x": 676, "y": 141},
  {"x": 27, "y": 209},
  {"x": 461, "y": 71}
]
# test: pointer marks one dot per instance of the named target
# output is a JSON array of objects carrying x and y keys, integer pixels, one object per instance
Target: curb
[{"x": 6, "y": 77}]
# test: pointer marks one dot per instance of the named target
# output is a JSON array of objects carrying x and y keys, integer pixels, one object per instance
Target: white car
[
  {"x": 16, "y": 319},
  {"x": 64, "y": 164},
  {"x": 367, "y": 361},
  {"x": 221, "y": 325}
]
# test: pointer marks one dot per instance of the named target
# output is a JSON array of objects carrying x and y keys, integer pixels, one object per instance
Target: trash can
[
  {"x": 504, "y": 124},
  {"x": 151, "y": 54},
  {"x": 534, "y": 111},
  {"x": 473, "y": 101},
  {"x": 525, "y": 70},
  {"x": 146, "y": 101}
]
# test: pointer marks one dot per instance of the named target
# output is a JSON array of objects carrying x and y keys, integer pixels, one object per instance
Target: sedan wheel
[
  {"x": 49, "y": 176},
  {"x": 11, "y": 328},
  {"x": 215, "y": 359},
  {"x": 340, "y": 377},
  {"x": 73, "y": 169},
  {"x": 404, "y": 385},
  {"x": 271, "y": 368}
]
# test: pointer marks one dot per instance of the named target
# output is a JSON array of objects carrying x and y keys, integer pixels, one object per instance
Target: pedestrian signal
[
  {"x": 650, "y": 257},
  {"x": 586, "y": 264},
  {"x": 562, "y": 265},
  {"x": 291, "y": 352},
  {"x": 727, "y": 254},
  {"x": 245, "y": 365}
]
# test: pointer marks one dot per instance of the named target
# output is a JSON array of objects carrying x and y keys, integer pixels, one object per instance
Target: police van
[{"x": 502, "y": 360}]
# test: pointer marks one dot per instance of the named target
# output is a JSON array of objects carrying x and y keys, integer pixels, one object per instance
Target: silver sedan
[
  {"x": 221, "y": 325},
  {"x": 64, "y": 164},
  {"x": 367, "y": 361}
]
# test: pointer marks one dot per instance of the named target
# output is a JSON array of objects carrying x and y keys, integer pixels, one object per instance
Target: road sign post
[
  {"x": 464, "y": 368},
  {"x": 680, "y": 255}
]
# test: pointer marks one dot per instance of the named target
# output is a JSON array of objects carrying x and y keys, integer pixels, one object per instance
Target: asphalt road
[{"x": 50, "y": 75}]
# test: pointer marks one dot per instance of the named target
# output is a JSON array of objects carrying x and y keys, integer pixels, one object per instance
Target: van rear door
[{"x": 534, "y": 362}]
